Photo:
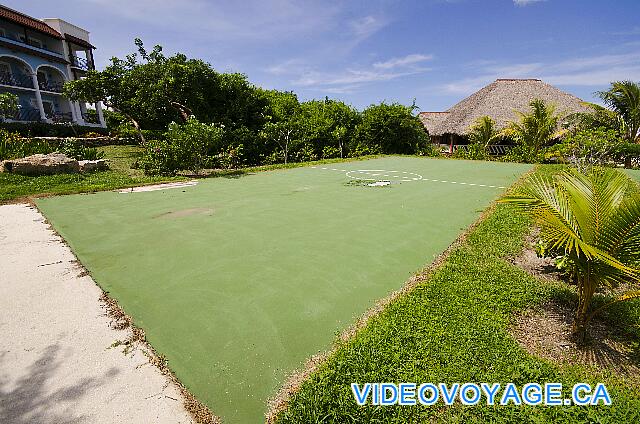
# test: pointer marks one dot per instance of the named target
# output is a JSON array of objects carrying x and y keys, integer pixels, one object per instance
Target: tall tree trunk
[
  {"x": 130, "y": 118},
  {"x": 184, "y": 111}
]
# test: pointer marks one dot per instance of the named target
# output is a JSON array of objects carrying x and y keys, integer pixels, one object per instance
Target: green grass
[
  {"x": 238, "y": 280},
  {"x": 453, "y": 328},
  {"x": 120, "y": 175}
]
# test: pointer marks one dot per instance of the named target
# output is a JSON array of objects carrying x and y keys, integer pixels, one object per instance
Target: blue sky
[{"x": 363, "y": 52}]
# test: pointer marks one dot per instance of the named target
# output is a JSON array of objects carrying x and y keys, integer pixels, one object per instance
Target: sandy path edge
[{"x": 58, "y": 362}]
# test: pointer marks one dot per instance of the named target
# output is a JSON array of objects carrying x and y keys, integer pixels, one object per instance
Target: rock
[
  {"x": 53, "y": 163},
  {"x": 93, "y": 165}
]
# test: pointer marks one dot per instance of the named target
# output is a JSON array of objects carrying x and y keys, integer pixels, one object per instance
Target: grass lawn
[
  {"x": 120, "y": 158},
  {"x": 239, "y": 280},
  {"x": 453, "y": 328}
]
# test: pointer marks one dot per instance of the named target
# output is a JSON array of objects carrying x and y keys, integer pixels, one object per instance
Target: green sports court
[{"x": 237, "y": 281}]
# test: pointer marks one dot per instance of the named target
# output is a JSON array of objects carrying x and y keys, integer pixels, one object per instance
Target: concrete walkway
[{"x": 56, "y": 360}]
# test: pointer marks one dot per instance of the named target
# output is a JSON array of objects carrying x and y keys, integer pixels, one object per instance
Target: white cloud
[
  {"x": 348, "y": 80},
  {"x": 526, "y": 2},
  {"x": 366, "y": 26},
  {"x": 348, "y": 77},
  {"x": 409, "y": 60},
  {"x": 590, "y": 71}
]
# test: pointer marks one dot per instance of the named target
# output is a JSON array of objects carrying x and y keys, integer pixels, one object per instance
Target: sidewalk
[{"x": 56, "y": 360}]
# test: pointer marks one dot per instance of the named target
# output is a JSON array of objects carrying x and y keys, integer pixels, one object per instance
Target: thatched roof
[
  {"x": 432, "y": 119},
  {"x": 499, "y": 100}
]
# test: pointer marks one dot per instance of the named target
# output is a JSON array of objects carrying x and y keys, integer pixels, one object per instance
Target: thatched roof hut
[{"x": 499, "y": 100}]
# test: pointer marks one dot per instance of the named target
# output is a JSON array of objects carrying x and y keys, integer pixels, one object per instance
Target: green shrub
[
  {"x": 524, "y": 154},
  {"x": 12, "y": 146},
  {"x": 389, "y": 129},
  {"x": 586, "y": 148},
  {"x": 627, "y": 153},
  {"x": 232, "y": 157},
  {"x": 185, "y": 147},
  {"x": 78, "y": 151},
  {"x": 330, "y": 152},
  {"x": 430, "y": 150},
  {"x": 44, "y": 129},
  {"x": 474, "y": 151}
]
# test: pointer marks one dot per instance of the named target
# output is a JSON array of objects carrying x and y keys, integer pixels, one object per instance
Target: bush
[
  {"x": 44, "y": 129},
  {"x": 523, "y": 154},
  {"x": 12, "y": 146},
  {"x": 185, "y": 147},
  {"x": 232, "y": 157},
  {"x": 430, "y": 150},
  {"x": 586, "y": 148},
  {"x": 388, "y": 129},
  {"x": 474, "y": 151},
  {"x": 330, "y": 152},
  {"x": 78, "y": 151},
  {"x": 627, "y": 153}
]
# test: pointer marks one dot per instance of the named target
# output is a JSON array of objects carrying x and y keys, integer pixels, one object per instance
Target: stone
[
  {"x": 39, "y": 164},
  {"x": 93, "y": 165}
]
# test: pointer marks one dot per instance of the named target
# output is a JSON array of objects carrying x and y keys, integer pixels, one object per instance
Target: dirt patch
[
  {"x": 529, "y": 261},
  {"x": 547, "y": 333},
  {"x": 184, "y": 213}
]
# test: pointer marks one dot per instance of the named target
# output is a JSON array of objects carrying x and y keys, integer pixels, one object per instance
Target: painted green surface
[
  {"x": 238, "y": 281},
  {"x": 633, "y": 173}
]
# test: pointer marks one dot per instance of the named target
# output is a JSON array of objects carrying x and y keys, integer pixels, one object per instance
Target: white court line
[
  {"x": 156, "y": 187},
  {"x": 406, "y": 179}
]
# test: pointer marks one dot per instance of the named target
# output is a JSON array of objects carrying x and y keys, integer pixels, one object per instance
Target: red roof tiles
[{"x": 28, "y": 21}]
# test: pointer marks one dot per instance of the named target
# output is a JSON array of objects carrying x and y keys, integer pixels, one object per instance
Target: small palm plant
[
  {"x": 483, "y": 131},
  {"x": 594, "y": 221},
  {"x": 537, "y": 128}
]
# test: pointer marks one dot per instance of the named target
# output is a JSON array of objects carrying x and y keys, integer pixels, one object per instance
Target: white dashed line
[{"x": 356, "y": 173}]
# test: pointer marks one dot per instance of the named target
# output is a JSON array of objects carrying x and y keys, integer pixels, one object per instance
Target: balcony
[
  {"x": 16, "y": 80},
  {"x": 90, "y": 117},
  {"x": 52, "y": 86},
  {"x": 32, "y": 46},
  {"x": 24, "y": 114},
  {"x": 60, "y": 117},
  {"x": 80, "y": 62}
]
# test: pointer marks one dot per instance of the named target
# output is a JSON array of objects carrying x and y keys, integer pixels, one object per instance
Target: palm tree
[
  {"x": 483, "y": 131},
  {"x": 535, "y": 129},
  {"x": 594, "y": 221},
  {"x": 623, "y": 97}
]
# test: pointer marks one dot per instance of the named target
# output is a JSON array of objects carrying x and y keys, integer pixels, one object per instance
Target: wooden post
[{"x": 450, "y": 143}]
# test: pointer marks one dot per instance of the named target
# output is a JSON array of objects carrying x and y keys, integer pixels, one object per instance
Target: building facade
[{"x": 36, "y": 58}]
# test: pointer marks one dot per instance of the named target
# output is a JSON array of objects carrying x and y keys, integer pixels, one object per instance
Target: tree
[
  {"x": 536, "y": 129},
  {"x": 8, "y": 105},
  {"x": 326, "y": 125},
  {"x": 587, "y": 148},
  {"x": 151, "y": 91},
  {"x": 593, "y": 220},
  {"x": 283, "y": 133},
  {"x": 623, "y": 97},
  {"x": 390, "y": 128},
  {"x": 185, "y": 147},
  {"x": 484, "y": 131}
]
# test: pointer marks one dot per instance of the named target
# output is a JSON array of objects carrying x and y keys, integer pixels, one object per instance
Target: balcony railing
[
  {"x": 32, "y": 45},
  {"x": 53, "y": 86},
  {"x": 80, "y": 62},
  {"x": 16, "y": 80},
  {"x": 59, "y": 117},
  {"x": 90, "y": 117},
  {"x": 24, "y": 114}
]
